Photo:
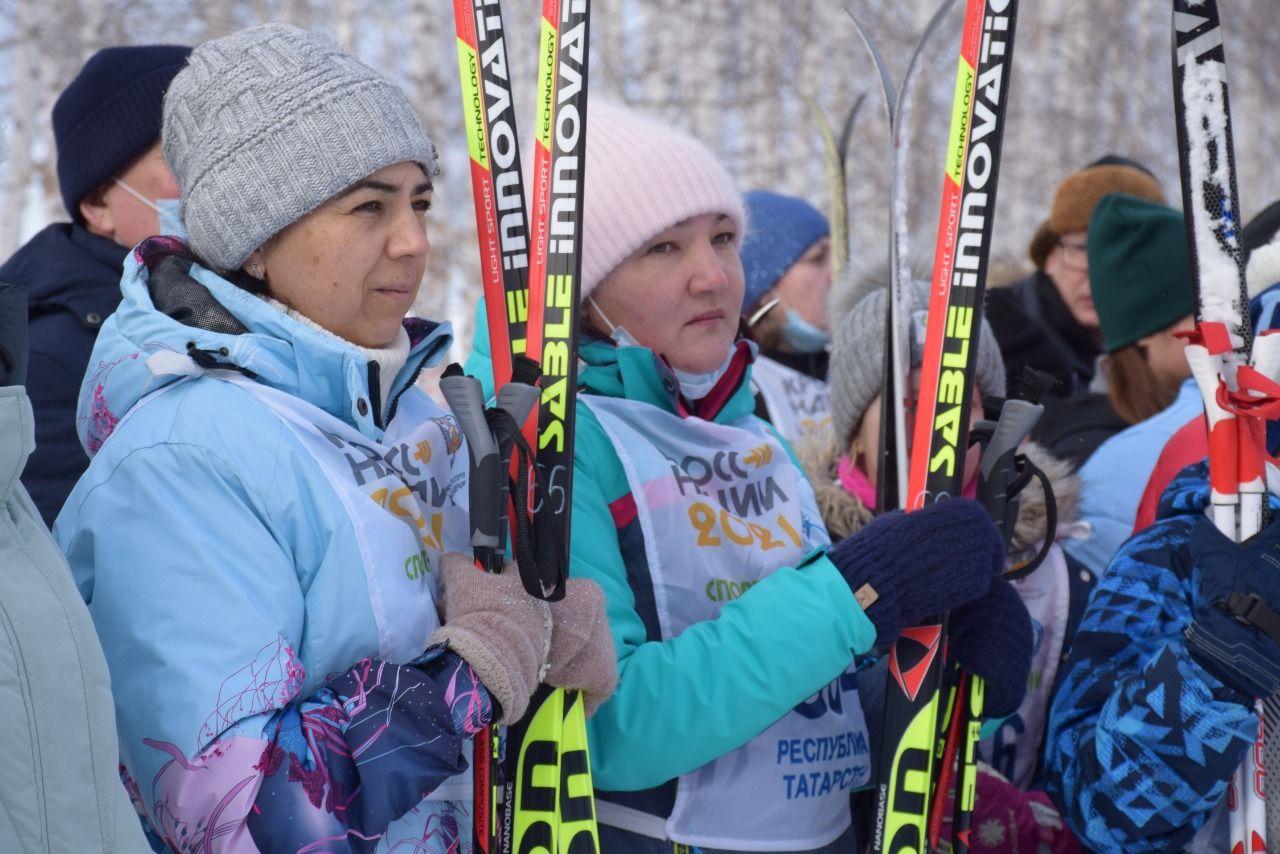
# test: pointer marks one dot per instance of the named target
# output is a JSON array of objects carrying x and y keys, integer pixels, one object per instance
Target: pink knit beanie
[{"x": 643, "y": 177}]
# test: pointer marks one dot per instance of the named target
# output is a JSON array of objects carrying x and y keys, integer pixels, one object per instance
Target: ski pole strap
[
  {"x": 516, "y": 399},
  {"x": 632, "y": 820},
  {"x": 1002, "y": 473},
  {"x": 640, "y": 823},
  {"x": 1030, "y": 469},
  {"x": 525, "y": 546},
  {"x": 504, "y": 425},
  {"x": 1256, "y": 395}
]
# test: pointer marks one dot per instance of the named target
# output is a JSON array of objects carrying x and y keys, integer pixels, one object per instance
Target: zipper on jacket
[
  {"x": 375, "y": 393},
  {"x": 413, "y": 380}
]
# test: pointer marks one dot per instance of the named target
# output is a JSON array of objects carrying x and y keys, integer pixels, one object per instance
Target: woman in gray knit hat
[
  {"x": 274, "y": 509},
  {"x": 842, "y": 466},
  {"x": 842, "y": 461}
]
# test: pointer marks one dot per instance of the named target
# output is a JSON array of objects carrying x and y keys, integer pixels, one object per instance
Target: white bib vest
[
  {"x": 406, "y": 499},
  {"x": 798, "y": 404},
  {"x": 405, "y": 496},
  {"x": 721, "y": 507},
  {"x": 1014, "y": 749}
]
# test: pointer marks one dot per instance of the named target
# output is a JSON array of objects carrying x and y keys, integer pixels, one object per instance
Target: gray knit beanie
[
  {"x": 856, "y": 371},
  {"x": 265, "y": 125}
]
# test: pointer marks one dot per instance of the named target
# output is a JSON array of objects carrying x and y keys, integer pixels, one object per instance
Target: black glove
[
  {"x": 1236, "y": 631},
  {"x": 991, "y": 638},
  {"x": 920, "y": 564}
]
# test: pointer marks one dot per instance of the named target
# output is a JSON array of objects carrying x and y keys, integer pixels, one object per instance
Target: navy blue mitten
[
  {"x": 1236, "y": 631},
  {"x": 920, "y": 564},
  {"x": 991, "y": 637}
]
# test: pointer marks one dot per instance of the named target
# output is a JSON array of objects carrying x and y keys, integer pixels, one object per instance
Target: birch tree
[
  {"x": 1090, "y": 77},
  {"x": 24, "y": 87}
]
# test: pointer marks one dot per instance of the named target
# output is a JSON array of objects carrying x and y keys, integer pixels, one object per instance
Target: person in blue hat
[
  {"x": 115, "y": 186},
  {"x": 786, "y": 261}
]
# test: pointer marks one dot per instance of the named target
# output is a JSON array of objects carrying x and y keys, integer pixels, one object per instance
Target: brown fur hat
[{"x": 1076, "y": 196}]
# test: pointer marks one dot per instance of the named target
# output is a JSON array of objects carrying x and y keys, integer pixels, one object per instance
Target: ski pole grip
[
  {"x": 999, "y": 468},
  {"x": 1017, "y": 419},
  {"x": 517, "y": 400},
  {"x": 466, "y": 398}
]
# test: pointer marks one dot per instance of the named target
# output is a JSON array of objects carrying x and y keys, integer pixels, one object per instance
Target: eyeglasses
[{"x": 1074, "y": 255}]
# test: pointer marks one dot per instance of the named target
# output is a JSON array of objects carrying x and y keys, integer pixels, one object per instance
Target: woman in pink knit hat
[{"x": 737, "y": 724}]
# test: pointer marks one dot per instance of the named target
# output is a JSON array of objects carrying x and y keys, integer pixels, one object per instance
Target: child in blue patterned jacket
[{"x": 1156, "y": 710}]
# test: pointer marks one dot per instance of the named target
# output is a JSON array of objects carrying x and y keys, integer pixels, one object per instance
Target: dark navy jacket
[
  {"x": 72, "y": 282},
  {"x": 1035, "y": 329}
]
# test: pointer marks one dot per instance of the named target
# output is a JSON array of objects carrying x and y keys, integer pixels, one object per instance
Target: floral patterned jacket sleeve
[
  {"x": 1142, "y": 740},
  {"x": 334, "y": 769}
]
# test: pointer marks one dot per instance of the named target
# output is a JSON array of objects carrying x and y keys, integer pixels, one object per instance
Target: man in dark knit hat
[
  {"x": 1047, "y": 321},
  {"x": 117, "y": 190}
]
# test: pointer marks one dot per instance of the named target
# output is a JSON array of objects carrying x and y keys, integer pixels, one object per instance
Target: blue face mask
[
  {"x": 620, "y": 336},
  {"x": 168, "y": 211},
  {"x": 169, "y": 214},
  {"x": 801, "y": 335}
]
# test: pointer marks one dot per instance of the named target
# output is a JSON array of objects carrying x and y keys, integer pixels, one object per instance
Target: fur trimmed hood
[
  {"x": 842, "y": 512},
  {"x": 845, "y": 514}
]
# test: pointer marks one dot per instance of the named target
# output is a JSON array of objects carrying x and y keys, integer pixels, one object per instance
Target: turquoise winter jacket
[
  {"x": 256, "y": 706},
  {"x": 683, "y": 702}
]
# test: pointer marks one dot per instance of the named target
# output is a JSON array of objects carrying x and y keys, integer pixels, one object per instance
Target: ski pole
[
  {"x": 907, "y": 772},
  {"x": 466, "y": 399},
  {"x": 1221, "y": 344}
]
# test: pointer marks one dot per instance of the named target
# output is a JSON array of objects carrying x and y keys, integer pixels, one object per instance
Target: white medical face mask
[
  {"x": 617, "y": 334},
  {"x": 802, "y": 335},
  {"x": 697, "y": 386},
  {"x": 168, "y": 211},
  {"x": 694, "y": 386}
]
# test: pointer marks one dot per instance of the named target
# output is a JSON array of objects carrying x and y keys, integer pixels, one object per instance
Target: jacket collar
[
  {"x": 65, "y": 265},
  {"x": 1084, "y": 343},
  {"x": 639, "y": 374},
  {"x": 222, "y": 326}
]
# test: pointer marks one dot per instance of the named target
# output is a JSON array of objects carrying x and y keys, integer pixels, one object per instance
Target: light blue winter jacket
[
  {"x": 1114, "y": 478},
  {"x": 227, "y": 586},
  {"x": 58, "y": 785}
]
